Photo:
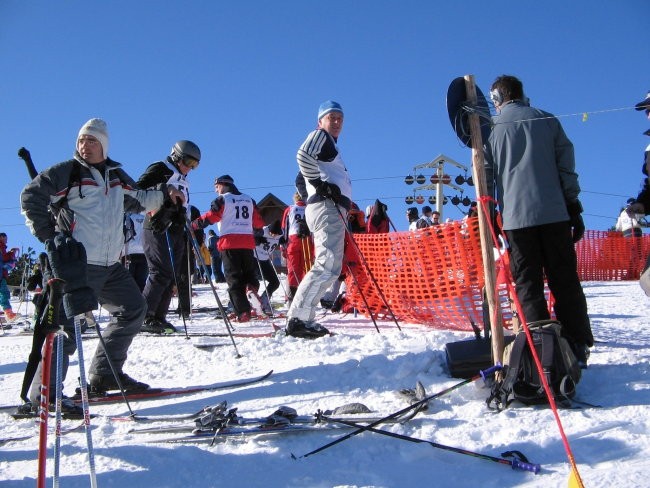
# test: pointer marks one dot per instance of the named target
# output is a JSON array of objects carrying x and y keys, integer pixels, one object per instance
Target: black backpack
[{"x": 520, "y": 378}]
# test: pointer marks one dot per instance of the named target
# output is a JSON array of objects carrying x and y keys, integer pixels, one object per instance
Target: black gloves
[
  {"x": 575, "y": 220},
  {"x": 258, "y": 234},
  {"x": 164, "y": 217},
  {"x": 303, "y": 230},
  {"x": 327, "y": 190},
  {"x": 68, "y": 262}
]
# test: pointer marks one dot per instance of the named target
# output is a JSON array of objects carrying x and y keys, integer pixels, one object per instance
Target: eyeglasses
[
  {"x": 87, "y": 140},
  {"x": 190, "y": 163}
]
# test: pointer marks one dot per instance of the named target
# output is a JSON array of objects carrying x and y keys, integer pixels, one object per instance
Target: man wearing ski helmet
[
  {"x": 164, "y": 234},
  {"x": 329, "y": 196}
]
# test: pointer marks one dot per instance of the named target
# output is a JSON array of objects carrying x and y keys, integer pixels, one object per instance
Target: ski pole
[
  {"x": 110, "y": 364},
  {"x": 518, "y": 461},
  {"x": 199, "y": 258},
  {"x": 362, "y": 428},
  {"x": 59, "y": 398},
  {"x": 84, "y": 399},
  {"x": 40, "y": 317},
  {"x": 171, "y": 259},
  {"x": 367, "y": 266},
  {"x": 43, "y": 410},
  {"x": 49, "y": 329},
  {"x": 363, "y": 296}
]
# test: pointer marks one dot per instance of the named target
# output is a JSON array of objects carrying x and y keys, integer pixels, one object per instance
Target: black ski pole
[
  {"x": 518, "y": 461},
  {"x": 173, "y": 263},
  {"x": 199, "y": 258},
  {"x": 368, "y": 270},
  {"x": 38, "y": 338},
  {"x": 363, "y": 296},
  {"x": 362, "y": 428}
]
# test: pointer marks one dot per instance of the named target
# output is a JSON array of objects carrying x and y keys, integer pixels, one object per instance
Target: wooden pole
[{"x": 478, "y": 171}]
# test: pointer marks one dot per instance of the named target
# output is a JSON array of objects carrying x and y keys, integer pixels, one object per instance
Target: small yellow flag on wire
[{"x": 584, "y": 117}]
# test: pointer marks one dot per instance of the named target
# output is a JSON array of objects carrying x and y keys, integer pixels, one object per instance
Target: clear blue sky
[{"x": 244, "y": 79}]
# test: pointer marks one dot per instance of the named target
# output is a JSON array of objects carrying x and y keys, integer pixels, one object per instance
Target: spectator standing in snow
[
  {"x": 628, "y": 224},
  {"x": 215, "y": 256},
  {"x": 377, "y": 218},
  {"x": 265, "y": 244},
  {"x": 88, "y": 196},
  {"x": 412, "y": 217},
  {"x": 8, "y": 263},
  {"x": 642, "y": 203},
  {"x": 540, "y": 209},
  {"x": 164, "y": 240},
  {"x": 426, "y": 220},
  {"x": 356, "y": 220},
  {"x": 299, "y": 245},
  {"x": 329, "y": 193},
  {"x": 238, "y": 219}
]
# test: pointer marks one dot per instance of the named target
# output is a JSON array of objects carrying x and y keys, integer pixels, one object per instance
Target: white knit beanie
[{"x": 98, "y": 129}]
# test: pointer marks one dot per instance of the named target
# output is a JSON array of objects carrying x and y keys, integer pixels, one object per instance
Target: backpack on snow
[{"x": 521, "y": 379}]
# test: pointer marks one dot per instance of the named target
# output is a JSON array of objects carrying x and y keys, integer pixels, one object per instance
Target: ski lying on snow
[
  {"x": 212, "y": 436},
  {"x": 252, "y": 422},
  {"x": 26, "y": 437},
  {"x": 154, "y": 393},
  {"x": 219, "y": 423},
  {"x": 218, "y": 418}
]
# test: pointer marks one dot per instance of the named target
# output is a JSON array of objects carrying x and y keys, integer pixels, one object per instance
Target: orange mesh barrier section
[
  {"x": 434, "y": 276},
  {"x": 608, "y": 256}
]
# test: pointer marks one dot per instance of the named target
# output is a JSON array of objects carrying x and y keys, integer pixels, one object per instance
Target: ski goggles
[{"x": 190, "y": 163}]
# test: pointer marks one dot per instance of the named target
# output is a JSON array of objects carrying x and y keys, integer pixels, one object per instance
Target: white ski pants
[{"x": 326, "y": 221}]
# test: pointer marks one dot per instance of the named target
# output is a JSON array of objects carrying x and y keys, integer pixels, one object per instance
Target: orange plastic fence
[{"x": 434, "y": 276}]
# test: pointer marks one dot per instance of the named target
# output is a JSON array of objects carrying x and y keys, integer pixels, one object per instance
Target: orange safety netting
[{"x": 434, "y": 276}]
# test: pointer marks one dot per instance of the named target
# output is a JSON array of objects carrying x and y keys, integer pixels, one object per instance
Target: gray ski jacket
[{"x": 530, "y": 162}]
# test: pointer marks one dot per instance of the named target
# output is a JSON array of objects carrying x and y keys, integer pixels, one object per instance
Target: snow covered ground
[{"x": 611, "y": 444}]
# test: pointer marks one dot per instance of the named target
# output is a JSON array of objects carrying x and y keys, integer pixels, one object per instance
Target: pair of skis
[{"x": 219, "y": 422}]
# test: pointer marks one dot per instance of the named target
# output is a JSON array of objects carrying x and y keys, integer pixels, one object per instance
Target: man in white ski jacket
[
  {"x": 329, "y": 196},
  {"x": 86, "y": 198}
]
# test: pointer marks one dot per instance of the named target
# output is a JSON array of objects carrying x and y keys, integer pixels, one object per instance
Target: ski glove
[
  {"x": 326, "y": 190},
  {"x": 164, "y": 217},
  {"x": 303, "y": 230},
  {"x": 259, "y": 237},
  {"x": 575, "y": 220},
  {"x": 68, "y": 262}
]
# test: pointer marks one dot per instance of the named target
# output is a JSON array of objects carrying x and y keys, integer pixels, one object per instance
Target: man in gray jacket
[
  {"x": 85, "y": 198},
  {"x": 530, "y": 160}
]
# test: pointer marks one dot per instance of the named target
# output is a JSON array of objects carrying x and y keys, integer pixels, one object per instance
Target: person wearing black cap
[
  {"x": 163, "y": 236},
  {"x": 239, "y": 220},
  {"x": 329, "y": 196}
]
